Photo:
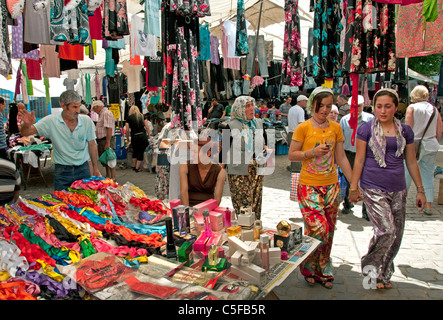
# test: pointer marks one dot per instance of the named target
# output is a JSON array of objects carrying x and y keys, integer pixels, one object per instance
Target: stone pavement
[{"x": 418, "y": 265}]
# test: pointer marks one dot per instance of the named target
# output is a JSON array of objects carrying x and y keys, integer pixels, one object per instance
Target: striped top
[
  {"x": 9, "y": 180},
  {"x": 3, "y": 144}
]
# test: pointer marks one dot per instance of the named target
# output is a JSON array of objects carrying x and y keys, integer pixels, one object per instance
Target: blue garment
[
  {"x": 205, "y": 43},
  {"x": 69, "y": 148},
  {"x": 64, "y": 175},
  {"x": 152, "y": 19},
  {"x": 347, "y": 131}
]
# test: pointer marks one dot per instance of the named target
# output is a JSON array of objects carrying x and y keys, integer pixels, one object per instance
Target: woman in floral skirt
[{"x": 318, "y": 143}]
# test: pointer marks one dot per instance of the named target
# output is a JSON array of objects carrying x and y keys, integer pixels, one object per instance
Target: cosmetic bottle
[
  {"x": 208, "y": 231},
  {"x": 213, "y": 255},
  {"x": 182, "y": 221},
  {"x": 264, "y": 251},
  {"x": 234, "y": 230},
  {"x": 171, "y": 252},
  {"x": 227, "y": 216},
  {"x": 258, "y": 228}
]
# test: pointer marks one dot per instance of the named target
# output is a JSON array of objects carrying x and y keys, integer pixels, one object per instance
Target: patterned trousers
[
  {"x": 247, "y": 190},
  {"x": 319, "y": 207},
  {"x": 386, "y": 211}
]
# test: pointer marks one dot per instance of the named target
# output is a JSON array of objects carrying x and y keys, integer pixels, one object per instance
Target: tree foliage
[{"x": 426, "y": 65}]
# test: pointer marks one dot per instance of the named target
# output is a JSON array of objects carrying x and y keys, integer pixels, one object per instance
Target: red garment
[
  {"x": 95, "y": 25},
  {"x": 33, "y": 68},
  {"x": 353, "y": 121},
  {"x": 71, "y": 52}
]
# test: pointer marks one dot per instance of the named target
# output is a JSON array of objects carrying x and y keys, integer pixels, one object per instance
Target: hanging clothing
[
  {"x": 50, "y": 61},
  {"x": 181, "y": 47},
  {"x": 228, "y": 62},
  {"x": 205, "y": 43},
  {"x": 115, "y": 19},
  {"x": 291, "y": 66},
  {"x": 241, "y": 40},
  {"x": 370, "y": 37},
  {"x": 17, "y": 42},
  {"x": 87, "y": 97},
  {"x": 5, "y": 53},
  {"x": 327, "y": 58},
  {"x": 215, "y": 56},
  {"x": 36, "y": 23},
  {"x": 133, "y": 74},
  {"x": 416, "y": 37},
  {"x": 151, "y": 23}
]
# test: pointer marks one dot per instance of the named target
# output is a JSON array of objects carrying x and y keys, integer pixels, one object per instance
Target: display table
[{"x": 26, "y": 169}]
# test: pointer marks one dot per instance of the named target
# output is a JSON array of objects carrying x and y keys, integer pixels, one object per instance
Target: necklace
[{"x": 320, "y": 124}]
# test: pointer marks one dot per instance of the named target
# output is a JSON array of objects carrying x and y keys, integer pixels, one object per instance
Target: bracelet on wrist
[
  {"x": 420, "y": 187},
  {"x": 352, "y": 190},
  {"x": 313, "y": 154},
  {"x": 420, "y": 192}
]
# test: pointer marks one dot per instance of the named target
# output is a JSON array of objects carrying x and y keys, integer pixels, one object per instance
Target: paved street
[{"x": 418, "y": 265}]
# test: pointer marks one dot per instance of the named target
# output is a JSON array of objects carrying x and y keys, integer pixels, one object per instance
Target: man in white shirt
[
  {"x": 350, "y": 149},
  {"x": 296, "y": 115}
]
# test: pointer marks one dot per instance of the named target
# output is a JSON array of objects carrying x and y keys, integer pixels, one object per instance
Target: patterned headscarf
[
  {"x": 238, "y": 111},
  {"x": 377, "y": 142}
]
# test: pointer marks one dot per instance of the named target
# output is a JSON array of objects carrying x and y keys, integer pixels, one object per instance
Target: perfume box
[
  {"x": 297, "y": 233},
  {"x": 235, "y": 244},
  {"x": 216, "y": 219},
  {"x": 236, "y": 258},
  {"x": 284, "y": 243},
  {"x": 246, "y": 220},
  {"x": 199, "y": 222},
  {"x": 274, "y": 256},
  {"x": 215, "y": 238},
  {"x": 251, "y": 273},
  {"x": 220, "y": 266},
  {"x": 185, "y": 254},
  {"x": 247, "y": 234},
  {"x": 210, "y": 204}
]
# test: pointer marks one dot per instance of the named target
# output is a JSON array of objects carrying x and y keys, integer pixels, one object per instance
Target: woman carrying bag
[{"x": 425, "y": 121}]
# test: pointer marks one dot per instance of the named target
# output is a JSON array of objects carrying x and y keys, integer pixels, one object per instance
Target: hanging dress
[
  {"x": 291, "y": 67},
  {"x": 370, "y": 37},
  {"x": 241, "y": 40},
  {"x": 327, "y": 58}
]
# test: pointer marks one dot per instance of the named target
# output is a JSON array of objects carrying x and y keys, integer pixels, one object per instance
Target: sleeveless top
[
  {"x": 199, "y": 190},
  {"x": 422, "y": 113}
]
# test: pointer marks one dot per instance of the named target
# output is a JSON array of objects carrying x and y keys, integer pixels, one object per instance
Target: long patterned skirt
[
  {"x": 247, "y": 190},
  {"x": 319, "y": 207},
  {"x": 386, "y": 211}
]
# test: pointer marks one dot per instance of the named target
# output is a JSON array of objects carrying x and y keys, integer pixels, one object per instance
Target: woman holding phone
[{"x": 318, "y": 143}]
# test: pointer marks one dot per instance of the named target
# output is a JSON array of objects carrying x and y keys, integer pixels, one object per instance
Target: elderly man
[
  {"x": 105, "y": 129},
  {"x": 350, "y": 149},
  {"x": 344, "y": 107},
  {"x": 296, "y": 115},
  {"x": 72, "y": 136}
]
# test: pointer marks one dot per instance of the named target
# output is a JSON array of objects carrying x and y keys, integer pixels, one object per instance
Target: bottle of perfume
[
  {"x": 208, "y": 230},
  {"x": 258, "y": 228},
  {"x": 181, "y": 221},
  {"x": 213, "y": 255},
  {"x": 227, "y": 216},
  {"x": 264, "y": 251},
  {"x": 171, "y": 252},
  {"x": 234, "y": 230},
  {"x": 193, "y": 228}
]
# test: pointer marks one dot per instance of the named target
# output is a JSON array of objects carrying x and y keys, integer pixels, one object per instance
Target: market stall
[{"x": 102, "y": 240}]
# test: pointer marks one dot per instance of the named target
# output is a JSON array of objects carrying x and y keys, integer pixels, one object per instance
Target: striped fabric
[
  {"x": 2, "y": 133},
  {"x": 9, "y": 180}
]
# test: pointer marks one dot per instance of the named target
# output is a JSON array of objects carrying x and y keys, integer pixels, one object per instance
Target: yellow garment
[
  {"x": 4, "y": 275},
  {"x": 318, "y": 171}
]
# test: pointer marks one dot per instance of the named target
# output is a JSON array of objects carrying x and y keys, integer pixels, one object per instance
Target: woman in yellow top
[{"x": 318, "y": 143}]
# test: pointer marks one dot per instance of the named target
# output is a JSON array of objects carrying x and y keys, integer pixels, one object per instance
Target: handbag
[
  {"x": 294, "y": 184},
  {"x": 418, "y": 145}
]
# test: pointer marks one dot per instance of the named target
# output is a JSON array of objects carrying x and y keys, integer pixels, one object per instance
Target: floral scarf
[
  {"x": 238, "y": 112},
  {"x": 377, "y": 142}
]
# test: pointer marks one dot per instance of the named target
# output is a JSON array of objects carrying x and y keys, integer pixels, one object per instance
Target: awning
[{"x": 418, "y": 76}]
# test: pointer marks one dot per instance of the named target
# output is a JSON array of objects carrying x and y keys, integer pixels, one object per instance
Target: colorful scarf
[{"x": 377, "y": 142}]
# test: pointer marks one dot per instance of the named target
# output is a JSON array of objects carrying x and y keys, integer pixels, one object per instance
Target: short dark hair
[
  {"x": 318, "y": 98},
  {"x": 2, "y": 101}
]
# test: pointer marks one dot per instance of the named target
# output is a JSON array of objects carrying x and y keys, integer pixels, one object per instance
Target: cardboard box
[
  {"x": 251, "y": 273},
  {"x": 216, "y": 218},
  {"x": 235, "y": 244},
  {"x": 210, "y": 204},
  {"x": 246, "y": 220}
]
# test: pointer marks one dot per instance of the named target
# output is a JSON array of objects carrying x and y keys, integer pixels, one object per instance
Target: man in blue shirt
[
  {"x": 351, "y": 149},
  {"x": 73, "y": 140}
]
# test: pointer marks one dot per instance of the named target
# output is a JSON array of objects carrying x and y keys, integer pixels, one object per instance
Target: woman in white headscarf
[{"x": 245, "y": 180}]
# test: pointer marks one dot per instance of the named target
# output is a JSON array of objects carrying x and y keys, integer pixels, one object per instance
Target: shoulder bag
[{"x": 418, "y": 144}]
